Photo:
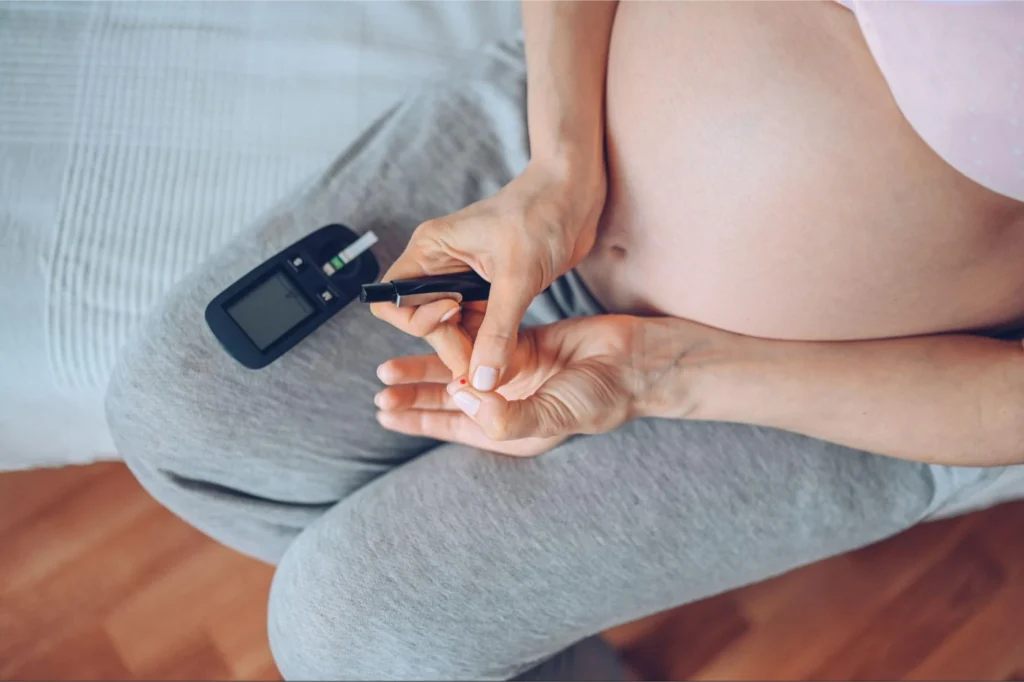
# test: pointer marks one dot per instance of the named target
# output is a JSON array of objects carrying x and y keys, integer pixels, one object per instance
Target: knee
[
  {"x": 349, "y": 604},
  {"x": 159, "y": 402},
  {"x": 325, "y": 616}
]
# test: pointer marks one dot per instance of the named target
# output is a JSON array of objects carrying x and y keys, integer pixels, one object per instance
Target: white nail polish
[
  {"x": 449, "y": 315},
  {"x": 485, "y": 378},
  {"x": 467, "y": 402}
]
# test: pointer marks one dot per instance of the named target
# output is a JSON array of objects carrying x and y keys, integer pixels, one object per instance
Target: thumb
[
  {"x": 496, "y": 339},
  {"x": 538, "y": 416}
]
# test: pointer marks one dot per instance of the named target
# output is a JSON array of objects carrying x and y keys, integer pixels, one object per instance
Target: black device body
[
  {"x": 284, "y": 299},
  {"x": 457, "y": 286}
]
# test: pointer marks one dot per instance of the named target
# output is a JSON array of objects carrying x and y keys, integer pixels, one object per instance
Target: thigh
[
  {"x": 462, "y": 564},
  {"x": 251, "y": 456}
]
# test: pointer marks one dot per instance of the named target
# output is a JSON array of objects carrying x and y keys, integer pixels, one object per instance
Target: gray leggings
[{"x": 403, "y": 557}]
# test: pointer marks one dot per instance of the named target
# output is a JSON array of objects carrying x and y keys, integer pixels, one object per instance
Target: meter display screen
[{"x": 270, "y": 310}]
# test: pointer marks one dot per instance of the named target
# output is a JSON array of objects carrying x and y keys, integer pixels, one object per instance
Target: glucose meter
[{"x": 286, "y": 298}]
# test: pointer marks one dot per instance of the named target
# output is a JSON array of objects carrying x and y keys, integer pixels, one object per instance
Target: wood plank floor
[{"x": 98, "y": 582}]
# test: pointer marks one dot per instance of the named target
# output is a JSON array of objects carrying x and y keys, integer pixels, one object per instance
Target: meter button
[
  {"x": 297, "y": 262},
  {"x": 326, "y": 296}
]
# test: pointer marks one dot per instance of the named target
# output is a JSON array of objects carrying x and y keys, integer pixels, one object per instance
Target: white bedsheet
[{"x": 136, "y": 137}]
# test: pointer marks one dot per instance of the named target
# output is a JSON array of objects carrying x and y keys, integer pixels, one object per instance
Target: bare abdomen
[{"x": 763, "y": 180}]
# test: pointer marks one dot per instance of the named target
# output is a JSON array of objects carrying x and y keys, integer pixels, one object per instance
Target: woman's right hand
[{"x": 534, "y": 230}]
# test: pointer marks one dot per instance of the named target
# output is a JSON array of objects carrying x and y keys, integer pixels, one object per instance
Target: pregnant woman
[{"x": 769, "y": 261}]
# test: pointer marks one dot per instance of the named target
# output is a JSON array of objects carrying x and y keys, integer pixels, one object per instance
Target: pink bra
[{"x": 956, "y": 70}]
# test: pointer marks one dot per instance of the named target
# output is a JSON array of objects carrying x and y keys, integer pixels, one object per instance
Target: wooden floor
[{"x": 98, "y": 582}]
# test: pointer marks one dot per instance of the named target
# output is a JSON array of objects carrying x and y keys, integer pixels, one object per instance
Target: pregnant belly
[{"x": 762, "y": 180}]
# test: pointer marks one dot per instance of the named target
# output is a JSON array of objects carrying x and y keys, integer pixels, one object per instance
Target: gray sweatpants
[{"x": 403, "y": 557}]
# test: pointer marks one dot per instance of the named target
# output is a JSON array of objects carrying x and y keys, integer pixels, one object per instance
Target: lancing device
[{"x": 458, "y": 286}]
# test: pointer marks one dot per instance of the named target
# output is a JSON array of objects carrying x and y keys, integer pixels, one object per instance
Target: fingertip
[
  {"x": 386, "y": 373},
  {"x": 487, "y": 409},
  {"x": 450, "y": 315},
  {"x": 382, "y": 311},
  {"x": 433, "y": 316},
  {"x": 387, "y": 400},
  {"x": 388, "y": 421},
  {"x": 488, "y": 362},
  {"x": 485, "y": 378},
  {"x": 456, "y": 385},
  {"x": 467, "y": 401}
]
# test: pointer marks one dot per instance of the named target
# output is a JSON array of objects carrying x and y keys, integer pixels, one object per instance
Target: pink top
[{"x": 956, "y": 70}]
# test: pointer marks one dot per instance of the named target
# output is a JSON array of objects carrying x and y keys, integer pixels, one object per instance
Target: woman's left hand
[{"x": 574, "y": 376}]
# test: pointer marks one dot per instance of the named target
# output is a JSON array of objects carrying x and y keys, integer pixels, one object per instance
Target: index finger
[
  {"x": 448, "y": 339},
  {"x": 406, "y": 267}
]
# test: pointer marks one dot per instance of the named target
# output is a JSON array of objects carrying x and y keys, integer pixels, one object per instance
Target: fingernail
[
  {"x": 380, "y": 373},
  {"x": 449, "y": 315},
  {"x": 377, "y": 399},
  {"x": 467, "y": 402},
  {"x": 485, "y": 378}
]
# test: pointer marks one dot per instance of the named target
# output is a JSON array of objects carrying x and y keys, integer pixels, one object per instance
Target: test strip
[{"x": 350, "y": 253}]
